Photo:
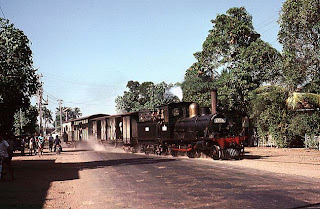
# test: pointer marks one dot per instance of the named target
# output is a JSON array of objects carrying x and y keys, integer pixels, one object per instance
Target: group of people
[{"x": 36, "y": 144}]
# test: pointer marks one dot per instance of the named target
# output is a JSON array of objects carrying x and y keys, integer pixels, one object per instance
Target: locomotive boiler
[{"x": 184, "y": 128}]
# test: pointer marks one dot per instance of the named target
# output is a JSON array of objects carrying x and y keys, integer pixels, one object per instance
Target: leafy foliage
[
  {"x": 303, "y": 100},
  {"x": 276, "y": 118},
  {"x": 73, "y": 113},
  {"x": 197, "y": 85},
  {"x": 18, "y": 79},
  {"x": 234, "y": 48},
  {"x": 146, "y": 95},
  {"x": 270, "y": 115},
  {"x": 300, "y": 34},
  {"x": 28, "y": 121}
]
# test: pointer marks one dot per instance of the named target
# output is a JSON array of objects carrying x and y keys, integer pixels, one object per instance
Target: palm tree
[
  {"x": 76, "y": 112},
  {"x": 47, "y": 117}
]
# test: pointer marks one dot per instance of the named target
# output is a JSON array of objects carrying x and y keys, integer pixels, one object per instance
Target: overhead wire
[
  {"x": 267, "y": 22},
  {"x": 2, "y": 12},
  {"x": 48, "y": 75},
  {"x": 68, "y": 102}
]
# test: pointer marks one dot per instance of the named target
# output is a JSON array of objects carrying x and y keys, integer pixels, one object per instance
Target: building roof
[{"x": 88, "y": 117}]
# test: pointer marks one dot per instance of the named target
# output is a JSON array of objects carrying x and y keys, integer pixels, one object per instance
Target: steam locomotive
[{"x": 177, "y": 128}]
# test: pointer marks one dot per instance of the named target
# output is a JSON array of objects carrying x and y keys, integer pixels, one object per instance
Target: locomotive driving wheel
[
  {"x": 191, "y": 154},
  {"x": 216, "y": 152},
  {"x": 174, "y": 153}
]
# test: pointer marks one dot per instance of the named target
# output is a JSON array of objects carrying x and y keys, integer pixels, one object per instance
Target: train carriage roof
[
  {"x": 116, "y": 116},
  {"x": 91, "y": 117}
]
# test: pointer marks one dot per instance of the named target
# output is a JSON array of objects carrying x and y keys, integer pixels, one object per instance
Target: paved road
[{"x": 123, "y": 180}]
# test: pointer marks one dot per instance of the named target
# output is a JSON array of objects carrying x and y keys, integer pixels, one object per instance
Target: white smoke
[{"x": 175, "y": 91}]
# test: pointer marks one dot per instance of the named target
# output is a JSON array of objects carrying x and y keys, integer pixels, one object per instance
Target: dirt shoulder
[{"x": 300, "y": 162}]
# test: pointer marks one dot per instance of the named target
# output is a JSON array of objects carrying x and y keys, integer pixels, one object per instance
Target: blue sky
[{"x": 88, "y": 50}]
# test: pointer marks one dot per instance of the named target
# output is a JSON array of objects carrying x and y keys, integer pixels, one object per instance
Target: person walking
[
  {"x": 31, "y": 145},
  {"x": 4, "y": 153},
  {"x": 35, "y": 144},
  {"x": 57, "y": 141},
  {"x": 65, "y": 137},
  {"x": 51, "y": 140},
  {"x": 40, "y": 145}
]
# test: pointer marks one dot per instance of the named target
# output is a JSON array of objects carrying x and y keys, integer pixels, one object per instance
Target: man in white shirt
[{"x": 4, "y": 152}]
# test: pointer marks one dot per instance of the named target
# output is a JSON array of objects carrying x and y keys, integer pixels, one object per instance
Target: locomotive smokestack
[{"x": 213, "y": 101}]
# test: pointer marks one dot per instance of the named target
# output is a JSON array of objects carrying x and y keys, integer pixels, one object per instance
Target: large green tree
[
  {"x": 18, "y": 79},
  {"x": 300, "y": 34},
  {"x": 244, "y": 61},
  {"x": 197, "y": 85},
  {"x": 146, "y": 95}
]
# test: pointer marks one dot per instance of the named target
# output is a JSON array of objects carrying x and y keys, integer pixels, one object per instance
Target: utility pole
[
  {"x": 60, "y": 106},
  {"x": 45, "y": 102},
  {"x": 39, "y": 98}
]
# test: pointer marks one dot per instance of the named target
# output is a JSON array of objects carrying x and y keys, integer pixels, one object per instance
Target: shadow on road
[
  {"x": 122, "y": 162},
  {"x": 33, "y": 178}
]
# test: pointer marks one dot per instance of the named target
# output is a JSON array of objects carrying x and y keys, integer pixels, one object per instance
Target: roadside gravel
[{"x": 299, "y": 161}]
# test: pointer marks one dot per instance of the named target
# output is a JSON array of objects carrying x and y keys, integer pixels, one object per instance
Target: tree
[
  {"x": 274, "y": 112},
  {"x": 18, "y": 79},
  {"x": 197, "y": 85},
  {"x": 300, "y": 34},
  {"x": 73, "y": 113},
  {"x": 47, "y": 116},
  {"x": 245, "y": 62},
  {"x": 146, "y": 95},
  {"x": 270, "y": 114},
  {"x": 231, "y": 33},
  {"x": 27, "y": 118}
]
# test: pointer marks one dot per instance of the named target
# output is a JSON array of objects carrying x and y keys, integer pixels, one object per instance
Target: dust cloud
[{"x": 98, "y": 146}]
